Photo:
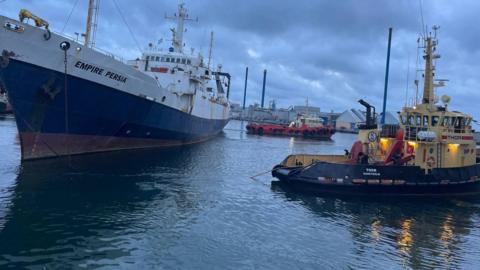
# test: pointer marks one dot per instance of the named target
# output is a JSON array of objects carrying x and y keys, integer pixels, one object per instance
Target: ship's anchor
[
  {"x": 5, "y": 58},
  {"x": 48, "y": 89}
]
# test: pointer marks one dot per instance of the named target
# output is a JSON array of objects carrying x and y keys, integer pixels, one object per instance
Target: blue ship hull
[
  {"x": 93, "y": 118},
  {"x": 3, "y": 107}
]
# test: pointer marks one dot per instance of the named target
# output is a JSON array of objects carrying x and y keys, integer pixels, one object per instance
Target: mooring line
[{"x": 254, "y": 177}]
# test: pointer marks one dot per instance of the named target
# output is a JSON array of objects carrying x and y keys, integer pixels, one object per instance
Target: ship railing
[
  {"x": 104, "y": 52},
  {"x": 389, "y": 131},
  {"x": 411, "y": 132}
]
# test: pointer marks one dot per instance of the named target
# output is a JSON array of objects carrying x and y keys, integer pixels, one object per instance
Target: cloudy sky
[{"x": 331, "y": 52}]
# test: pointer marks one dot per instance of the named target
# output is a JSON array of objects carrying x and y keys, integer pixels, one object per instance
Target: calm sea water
[{"x": 196, "y": 207}]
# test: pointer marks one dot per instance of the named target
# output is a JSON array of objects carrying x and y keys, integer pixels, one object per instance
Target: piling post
[
  {"x": 386, "y": 76},
  {"x": 263, "y": 88},
  {"x": 245, "y": 90}
]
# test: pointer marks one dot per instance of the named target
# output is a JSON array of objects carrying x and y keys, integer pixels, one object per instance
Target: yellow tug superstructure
[{"x": 433, "y": 152}]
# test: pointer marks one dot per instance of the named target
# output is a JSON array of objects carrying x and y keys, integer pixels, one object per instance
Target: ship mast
[
  {"x": 177, "y": 33},
  {"x": 92, "y": 18},
  {"x": 430, "y": 42},
  {"x": 89, "y": 22}
]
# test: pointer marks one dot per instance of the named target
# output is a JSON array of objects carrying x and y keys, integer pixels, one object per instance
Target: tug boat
[
  {"x": 70, "y": 98},
  {"x": 433, "y": 153},
  {"x": 304, "y": 126}
]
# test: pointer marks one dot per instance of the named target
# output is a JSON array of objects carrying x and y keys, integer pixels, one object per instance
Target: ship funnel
[{"x": 370, "y": 122}]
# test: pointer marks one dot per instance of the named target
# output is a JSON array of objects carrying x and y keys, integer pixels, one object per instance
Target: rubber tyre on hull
[{"x": 260, "y": 131}]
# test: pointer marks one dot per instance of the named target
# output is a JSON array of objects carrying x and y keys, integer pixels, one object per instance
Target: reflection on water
[
  {"x": 196, "y": 208},
  {"x": 76, "y": 206},
  {"x": 417, "y": 234}
]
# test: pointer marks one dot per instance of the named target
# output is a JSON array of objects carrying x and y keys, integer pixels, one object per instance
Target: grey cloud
[{"x": 332, "y": 52}]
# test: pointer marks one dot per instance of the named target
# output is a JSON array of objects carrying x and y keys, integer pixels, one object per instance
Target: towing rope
[{"x": 254, "y": 178}]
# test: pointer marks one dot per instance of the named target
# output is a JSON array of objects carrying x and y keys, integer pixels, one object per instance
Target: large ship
[
  {"x": 432, "y": 154},
  {"x": 70, "y": 98}
]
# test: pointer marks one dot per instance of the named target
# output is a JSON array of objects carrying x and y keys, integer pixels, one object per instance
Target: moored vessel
[
  {"x": 304, "y": 126},
  {"x": 432, "y": 154},
  {"x": 70, "y": 98}
]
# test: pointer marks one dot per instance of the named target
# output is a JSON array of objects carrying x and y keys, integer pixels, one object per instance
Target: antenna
[
  {"x": 408, "y": 79},
  {"x": 180, "y": 29},
  {"x": 424, "y": 28}
]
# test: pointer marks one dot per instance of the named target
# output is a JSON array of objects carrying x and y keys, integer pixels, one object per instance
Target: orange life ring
[{"x": 431, "y": 162}]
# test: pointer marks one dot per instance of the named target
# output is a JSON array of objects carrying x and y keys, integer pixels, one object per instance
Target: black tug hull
[{"x": 368, "y": 180}]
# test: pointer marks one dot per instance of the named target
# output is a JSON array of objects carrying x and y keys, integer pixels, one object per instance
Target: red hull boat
[{"x": 300, "y": 129}]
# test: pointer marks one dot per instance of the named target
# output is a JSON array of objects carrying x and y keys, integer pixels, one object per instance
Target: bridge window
[
  {"x": 446, "y": 121},
  {"x": 458, "y": 122},
  {"x": 468, "y": 121},
  {"x": 162, "y": 59},
  {"x": 425, "y": 121},
  {"x": 168, "y": 60},
  {"x": 189, "y": 62},
  {"x": 184, "y": 61},
  {"x": 147, "y": 57},
  {"x": 434, "y": 120},
  {"x": 411, "y": 119},
  {"x": 418, "y": 120},
  {"x": 157, "y": 58},
  {"x": 178, "y": 60}
]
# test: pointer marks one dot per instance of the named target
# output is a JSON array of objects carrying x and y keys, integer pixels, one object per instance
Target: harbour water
[{"x": 196, "y": 207}]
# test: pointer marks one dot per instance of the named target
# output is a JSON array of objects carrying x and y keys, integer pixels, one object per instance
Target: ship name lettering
[
  {"x": 116, "y": 77},
  {"x": 100, "y": 71},
  {"x": 371, "y": 172},
  {"x": 88, "y": 67}
]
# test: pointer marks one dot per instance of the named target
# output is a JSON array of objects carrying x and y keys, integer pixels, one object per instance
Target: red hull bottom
[{"x": 41, "y": 145}]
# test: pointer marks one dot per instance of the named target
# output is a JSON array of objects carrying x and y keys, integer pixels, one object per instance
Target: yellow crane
[{"x": 39, "y": 22}]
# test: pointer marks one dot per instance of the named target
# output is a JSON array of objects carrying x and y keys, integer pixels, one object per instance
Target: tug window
[
  {"x": 178, "y": 60},
  {"x": 410, "y": 119},
  {"x": 458, "y": 122},
  {"x": 403, "y": 118},
  {"x": 434, "y": 120},
  {"x": 184, "y": 61},
  {"x": 189, "y": 62},
  {"x": 425, "y": 121},
  {"x": 162, "y": 59},
  {"x": 418, "y": 120},
  {"x": 157, "y": 58},
  {"x": 147, "y": 58},
  {"x": 168, "y": 60},
  {"x": 468, "y": 121},
  {"x": 446, "y": 121}
]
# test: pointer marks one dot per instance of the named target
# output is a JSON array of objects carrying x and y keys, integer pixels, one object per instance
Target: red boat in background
[{"x": 307, "y": 127}]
